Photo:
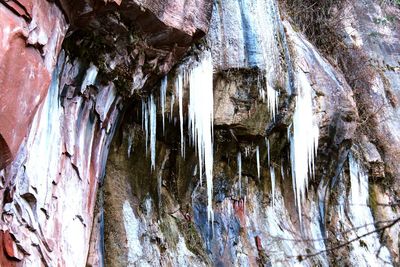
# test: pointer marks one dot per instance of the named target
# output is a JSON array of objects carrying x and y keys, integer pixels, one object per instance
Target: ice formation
[
  {"x": 179, "y": 93},
  {"x": 268, "y": 153},
  {"x": 199, "y": 76},
  {"x": 272, "y": 101},
  {"x": 90, "y": 77},
  {"x": 303, "y": 139},
  {"x": 258, "y": 161},
  {"x": 149, "y": 125},
  {"x": 145, "y": 121},
  {"x": 132, "y": 229},
  {"x": 172, "y": 107},
  {"x": 201, "y": 116},
  {"x": 360, "y": 215},
  {"x": 153, "y": 131},
  {"x": 272, "y": 174},
  {"x": 163, "y": 95},
  {"x": 239, "y": 163}
]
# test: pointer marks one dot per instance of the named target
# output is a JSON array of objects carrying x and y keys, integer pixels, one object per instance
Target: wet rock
[{"x": 31, "y": 36}]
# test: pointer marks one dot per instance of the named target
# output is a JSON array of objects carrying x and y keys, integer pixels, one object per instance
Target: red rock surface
[
  {"x": 31, "y": 33},
  {"x": 6, "y": 250}
]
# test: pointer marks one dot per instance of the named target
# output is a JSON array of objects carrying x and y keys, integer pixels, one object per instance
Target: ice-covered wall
[{"x": 54, "y": 179}]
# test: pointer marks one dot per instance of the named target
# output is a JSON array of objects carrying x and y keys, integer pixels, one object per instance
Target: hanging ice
[
  {"x": 247, "y": 150},
  {"x": 90, "y": 77},
  {"x": 201, "y": 115},
  {"x": 153, "y": 129},
  {"x": 265, "y": 19},
  {"x": 268, "y": 153},
  {"x": 258, "y": 161},
  {"x": 172, "y": 107},
  {"x": 303, "y": 139},
  {"x": 272, "y": 100},
  {"x": 272, "y": 174},
  {"x": 179, "y": 93},
  {"x": 145, "y": 121},
  {"x": 163, "y": 95},
  {"x": 239, "y": 163}
]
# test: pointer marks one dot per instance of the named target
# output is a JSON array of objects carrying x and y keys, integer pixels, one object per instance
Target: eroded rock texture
[
  {"x": 32, "y": 33},
  {"x": 77, "y": 184},
  {"x": 61, "y": 119},
  {"x": 256, "y": 218}
]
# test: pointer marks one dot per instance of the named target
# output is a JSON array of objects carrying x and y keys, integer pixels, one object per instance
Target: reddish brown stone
[
  {"x": 6, "y": 249},
  {"x": 27, "y": 56},
  {"x": 258, "y": 243},
  {"x": 8, "y": 244}
]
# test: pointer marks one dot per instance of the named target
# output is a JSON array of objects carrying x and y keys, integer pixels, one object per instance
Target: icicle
[
  {"x": 90, "y": 77},
  {"x": 179, "y": 93},
  {"x": 145, "y": 119},
  {"x": 272, "y": 100},
  {"x": 163, "y": 95},
  {"x": 247, "y": 150},
  {"x": 268, "y": 153},
  {"x": 258, "y": 161},
  {"x": 239, "y": 163},
  {"x": 143, "y": 103},
  {"x": 172, "y": 107},
  {"x": 201, "y": 116},
  {"x": 272, "y": 174},
  {"x": 261, "y": 93},
  {"x": 304, "y": 140},
  {"x": 153, "y": 129},
  {"x": 130, "y": 141}
]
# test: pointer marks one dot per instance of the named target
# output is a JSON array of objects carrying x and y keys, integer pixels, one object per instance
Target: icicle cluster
[
  {"x": 199, "y": 77},
  {"x": 272, "y": 98},
  {"x": 149, "y": 125},
  {"x": 303, "y": 140},
  {"x": 272, "y": 101},
  {"x": 201, "y": 120}
]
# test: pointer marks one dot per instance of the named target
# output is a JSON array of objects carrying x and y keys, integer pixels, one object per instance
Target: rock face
[
  {"x": 66, "y": 119},
  {"x": 305, "y": 141},
  {"x": 256, "y": 218},
  {"x": 32, "y": 33}
]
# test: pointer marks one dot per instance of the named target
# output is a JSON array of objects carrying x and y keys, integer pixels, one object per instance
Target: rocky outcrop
[
  {"x": 256, "y": 218},
  {"x": 32, "y": 33},
  {"x": 67, "y": 116},
  {"x": 371, "y": 65},
  {"x": 304, "y": 156},
  {"x": 50, "y": 188}
]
